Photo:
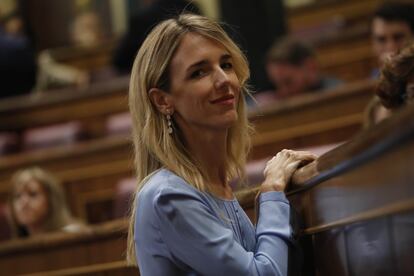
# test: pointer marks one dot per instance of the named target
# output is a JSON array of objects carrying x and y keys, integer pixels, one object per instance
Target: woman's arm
[{"x": 198, "y": 238}]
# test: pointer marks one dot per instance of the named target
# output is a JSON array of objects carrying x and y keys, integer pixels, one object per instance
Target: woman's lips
[{"x": 226, "y": 100}]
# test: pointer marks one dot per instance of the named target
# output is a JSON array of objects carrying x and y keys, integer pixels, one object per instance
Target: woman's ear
[{"x": 162, "y": 100}]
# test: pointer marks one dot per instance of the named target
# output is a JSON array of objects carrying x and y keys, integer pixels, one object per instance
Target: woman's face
[
  {"x": 204, "y": 86},
  {"x": 409, "y": 88},
  {"x": 30, "y": 204}
]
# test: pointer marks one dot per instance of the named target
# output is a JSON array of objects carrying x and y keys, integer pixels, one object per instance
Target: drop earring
[{"x": 169, "y": 123}]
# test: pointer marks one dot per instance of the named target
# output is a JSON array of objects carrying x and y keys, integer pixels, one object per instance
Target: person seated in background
[
  {"x": 293, "y": 70},
  {"x": 86, "y": 32},
  {"x": 54, "y": 75},
  {"x": 392, "y": 28},
  {"x": 395, "y": 88},
  {"x": 37, "y": 205},
  {"x": 17, "y": 58}
]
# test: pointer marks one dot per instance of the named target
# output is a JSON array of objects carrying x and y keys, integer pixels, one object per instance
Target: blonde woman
[
  {"x": 38, "y": 205},
  {"x": 191, "y": 137}
]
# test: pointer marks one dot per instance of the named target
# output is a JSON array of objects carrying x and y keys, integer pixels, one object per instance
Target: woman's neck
[{"x": 210, "y": 149}]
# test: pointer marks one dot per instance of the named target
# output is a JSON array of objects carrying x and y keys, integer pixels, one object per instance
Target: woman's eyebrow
[
  {"x": 197, "y": 64},
  {"x": 204, "y": 62},
  {"x": 225, "y": 57}
]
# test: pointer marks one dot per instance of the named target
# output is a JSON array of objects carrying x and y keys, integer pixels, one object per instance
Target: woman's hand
[{"x": 281, "y": 167}]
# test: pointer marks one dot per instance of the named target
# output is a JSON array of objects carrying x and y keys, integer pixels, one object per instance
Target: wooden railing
[{"x": 355, "y": 204}]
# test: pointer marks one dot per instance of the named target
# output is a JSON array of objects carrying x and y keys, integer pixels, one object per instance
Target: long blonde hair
[
  {"x": 154, "y": 146},
  {"x": 58, "y": 214}
]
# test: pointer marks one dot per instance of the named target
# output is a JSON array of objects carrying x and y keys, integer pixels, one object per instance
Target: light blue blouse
[{"x": 182, "y": 231}]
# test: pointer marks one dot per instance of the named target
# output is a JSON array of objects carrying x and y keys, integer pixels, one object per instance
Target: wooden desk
[
  {"x": 342, "y": 13},
  {"x": 345, "y": 64},
  {"x": 89, "y": 59},
  {"x": 314, "y": 119},
  {"x": 335, "y": 27},
  {"x": 102, "y": 248},
  {"x": 90, "y": 105}
]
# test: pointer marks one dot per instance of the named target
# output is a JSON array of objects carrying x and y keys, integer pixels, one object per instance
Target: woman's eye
[
  {"x": 197, "y": 74},
  {"x": 33, "y": 194},
  {"x": 227, "y": 65}
]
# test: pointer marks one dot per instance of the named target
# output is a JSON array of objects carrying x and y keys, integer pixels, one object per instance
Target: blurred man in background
[
  {"x": 392, "y": 28},
  {"x": 293, "y": 70}
]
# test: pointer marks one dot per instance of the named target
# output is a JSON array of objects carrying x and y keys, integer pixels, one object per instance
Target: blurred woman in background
[{"x": 38, "y": 205}]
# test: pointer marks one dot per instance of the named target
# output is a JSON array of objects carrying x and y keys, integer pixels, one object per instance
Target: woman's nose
[
  {"x": 23, "y": 201},
  {"x": 221, "y": 79}
]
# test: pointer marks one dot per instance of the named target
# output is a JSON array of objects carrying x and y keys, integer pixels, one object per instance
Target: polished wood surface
[
  {"x": 334, "y": 27},
  {"x": 319, "y": 14},
  {"x": 110, "y": 269},
  {"x": 86, "y": 58},
  {"x": 100, "y": 249},
  {"x": 354, "y": 206},
  {"x": 91, "y": 104},
  {"x": 314, "y": 119},
  {"x": 359, "y": 214}
]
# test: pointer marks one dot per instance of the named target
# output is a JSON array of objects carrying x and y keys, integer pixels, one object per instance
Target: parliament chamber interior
[{"x": 64, "y": 116}]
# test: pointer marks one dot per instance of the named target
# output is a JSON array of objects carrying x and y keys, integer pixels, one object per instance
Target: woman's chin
[{"x": 230, "y": 120}]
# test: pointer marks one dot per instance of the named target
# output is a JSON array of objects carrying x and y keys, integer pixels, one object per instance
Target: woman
[
  {"x": 395, "y": 88},
  {"x": 38, "y": 205},
  {"x": 191, "y": 138}
]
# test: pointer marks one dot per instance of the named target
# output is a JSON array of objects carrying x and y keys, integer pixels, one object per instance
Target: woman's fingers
[
  {"x": 295, "y": 155},
  {"x": 291, "y": 167},
  {"x": 285, "y": 157},
  {"x": 280, "y": 168},
  {"x": 304, "y": 155}
]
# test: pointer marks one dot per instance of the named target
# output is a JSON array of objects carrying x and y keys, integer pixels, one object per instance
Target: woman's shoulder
[{"x": 164, "y": 182}]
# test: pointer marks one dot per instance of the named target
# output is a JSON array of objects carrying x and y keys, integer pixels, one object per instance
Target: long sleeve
[{"x": 196, "y": 237}]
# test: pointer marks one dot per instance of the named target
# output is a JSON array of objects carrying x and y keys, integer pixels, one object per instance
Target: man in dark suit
[
  {"x": 141, "y": 24},
  {"x": 392, "y": 28}
]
